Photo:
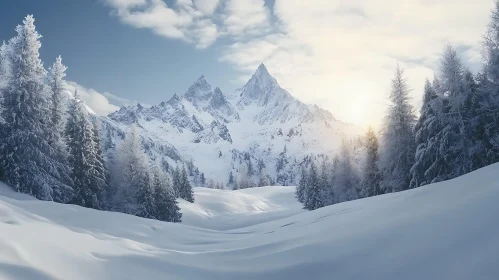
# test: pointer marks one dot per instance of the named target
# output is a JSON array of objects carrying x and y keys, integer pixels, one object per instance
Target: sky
[{"x": 338, "y": 54}]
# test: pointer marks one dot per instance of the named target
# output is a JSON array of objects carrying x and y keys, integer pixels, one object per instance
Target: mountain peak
[
  {"x": 201, "y": 83},
  {"x": 217, "y": 91},
  {"x": 175, "y": 99},
  {"x": 201, "y": 89},
  {"x": 263, "y": 77},
  {"x": 262, "y": 69},
  {"x": 260, "y": 87}
]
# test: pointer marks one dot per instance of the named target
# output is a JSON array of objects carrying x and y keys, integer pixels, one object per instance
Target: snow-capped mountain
[{"x": 260, "y": 126}]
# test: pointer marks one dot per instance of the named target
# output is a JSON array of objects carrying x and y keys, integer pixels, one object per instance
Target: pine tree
[
  {"x": 145, "y": 196},
  {"x": 211, "y": 184},
  {"x": 264, "y": 178},
  {"x": 131, "y": 175},
  {"x": 4, "y": 78},
  {"x": 4, "y": 66},
  {"x": 370, "y": 173},
  {"x": 397, "y": 145},
  {"x": 58, "y": 86},
  {"x": 244, "y": 181},
  {"x": 185, "y": 190},
  {"x": 165, "y": 205},
  {"x": 236, "y": 185},
  {"x": 176, "y": 182},
  {"x": 488, "y": 84},
  {"x": 100, "y": 178},
  {"x": 346, "y": 179},
  {"x": 302, "y": 186},
  {"x": 454, "y": 139},
  {"x": 313, "y": 191},
  {"x": 428, "y": 127},
  {"x": 326, "y": 194},
  {"x": 231, "y": 178},
  {"x": 484, "y": 123},
  {"x": 250, "y": 167},
  {"x": 56, "y": 96},
  {"x": 86, "y": 171},
  {"x": 491, "y": 69},
  {"x": 203, "y": 180},
  {"x": 165, "y": 165},
  {"x": 31, "y": 161},
  {"x": 190, "y": 167}
]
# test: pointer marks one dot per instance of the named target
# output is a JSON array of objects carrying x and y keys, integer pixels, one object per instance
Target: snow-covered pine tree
[
  {"x": 250, "y": 167},
  {"x": 176, "y": 182},
  {"x": 202, "y": 179},
  {"x": 370, "y": 171},
  {"x": 58, "y": 87},
  {"x": 130, "y": 174},
  {"x": 426, "y": 131},
  {"x": 346, "y": 178},
  {"x": 397, "y": 144},
  {"x": 244, "y": 180},
  {"x": 30, "y": 162},
  {"x": 4, "y": 66},
  {"x": 83, "y": 162},
  {"x": 101, "y": 176},
  {"x": 191, "y": 168},
  {"x": 165, "y": 165},
  {"x": 281, "y": 168},
  {"x": 488, "y": 85},
  {"x": 231, "y": 178},
  {"x": 313, "y": 191},
  {"x": 185, "y": 190},
  {"x": 165, "y": 205},
  {"x": 4, "y": 78},
  {"x": 211, "y": 184},
  {"x": 454, "y": 140},
  {"x": 56, "y": 95},
  {"x": 491, "y": 52},
  {"x": 484, "y": 126},
  {"x": 264, "y": 178},
  {"x": 302, "y": 186},
  {"x": 327, "y": 192},
  {"x": 145, "y": 196}
]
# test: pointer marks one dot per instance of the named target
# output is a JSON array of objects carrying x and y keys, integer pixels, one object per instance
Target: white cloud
[
  {"x": 340, "y": 54},
  {"x": 207, "y": 7},
  {"x": 246, "y": 16},
  {"x": 195, "y": 21},
  {"x": 184, "y": 21},
  {"x": 94, "y": 100}
]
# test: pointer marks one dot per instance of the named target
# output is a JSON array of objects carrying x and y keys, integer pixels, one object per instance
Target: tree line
[
  {"x": 457, "y": 132},
  {"x": 52, "y": 150}
]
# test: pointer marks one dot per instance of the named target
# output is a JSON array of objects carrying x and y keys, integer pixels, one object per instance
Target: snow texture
[
  {"x": 447, "y": 230},
  {"x": 260, "y": 119}
]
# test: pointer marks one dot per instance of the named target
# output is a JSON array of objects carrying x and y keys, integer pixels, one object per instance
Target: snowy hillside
[
  {"x": 447, "y": 230},
  {"x": 259, "y": 126}
]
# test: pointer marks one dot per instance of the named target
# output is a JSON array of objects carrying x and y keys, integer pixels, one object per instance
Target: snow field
[{"x": 447, "y": 230}]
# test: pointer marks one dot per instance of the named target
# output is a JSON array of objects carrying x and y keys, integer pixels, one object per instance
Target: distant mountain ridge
[{"x": 260, "y": 128}]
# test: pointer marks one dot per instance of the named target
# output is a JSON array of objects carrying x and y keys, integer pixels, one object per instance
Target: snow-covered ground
[{"x": 447, "y": 230}]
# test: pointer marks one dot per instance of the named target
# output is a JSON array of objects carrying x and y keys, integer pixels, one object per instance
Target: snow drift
[{"x": 447, "y": 230}]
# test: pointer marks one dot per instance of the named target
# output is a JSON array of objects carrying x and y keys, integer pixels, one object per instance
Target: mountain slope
[
  {"x": 447, "y": 230},
  {"x": 260, "y": 126}
]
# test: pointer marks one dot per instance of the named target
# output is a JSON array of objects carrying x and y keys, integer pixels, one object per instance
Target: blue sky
[
  {"x": 334, "y": 53},
  {"x": 108, "y": 56}
]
